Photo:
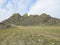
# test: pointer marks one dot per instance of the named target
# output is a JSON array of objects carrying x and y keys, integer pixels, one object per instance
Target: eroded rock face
[{"x": 25, "y": 20}]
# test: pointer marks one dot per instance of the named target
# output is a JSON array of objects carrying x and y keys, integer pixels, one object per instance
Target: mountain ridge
[{"x": 26, "y": 20}]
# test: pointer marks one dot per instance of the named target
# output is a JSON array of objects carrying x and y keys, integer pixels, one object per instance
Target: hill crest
[{"x": 45, "y": 19}]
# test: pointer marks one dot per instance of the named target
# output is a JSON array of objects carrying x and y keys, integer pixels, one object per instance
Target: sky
[{"x": 9, "y": 7}]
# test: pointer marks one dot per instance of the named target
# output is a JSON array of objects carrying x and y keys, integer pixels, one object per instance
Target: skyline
[{"x": 8, "y": 7}]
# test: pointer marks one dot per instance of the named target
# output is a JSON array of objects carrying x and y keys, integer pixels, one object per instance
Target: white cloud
[
  {"x": 51, "y": 7},
  {"x": 1, "y": 1},
  {"x": 4, "y": 14},
  {"x": 8, "y": 7},
  {"x": 45, "y": 6}
]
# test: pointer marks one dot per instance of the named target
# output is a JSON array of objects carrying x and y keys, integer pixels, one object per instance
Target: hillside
[
  {"x": 26, "y": 30},
  {"x": 4, "y": 26},
  {"x": 25, "y": 20}
]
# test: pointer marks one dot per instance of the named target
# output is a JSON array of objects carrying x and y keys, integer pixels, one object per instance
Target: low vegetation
[{"x": 30, "y": 35}]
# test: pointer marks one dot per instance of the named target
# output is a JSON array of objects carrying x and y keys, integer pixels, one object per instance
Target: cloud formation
[
  {"x": 46, "y": 6},
  {"x": 8, "y": 7}
]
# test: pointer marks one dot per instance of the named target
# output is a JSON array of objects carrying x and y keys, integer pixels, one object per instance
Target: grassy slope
[{"x": 31, "y": 35}]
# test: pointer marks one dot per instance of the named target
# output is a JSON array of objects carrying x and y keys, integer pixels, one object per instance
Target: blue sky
[{"x": 8, "y": 7}]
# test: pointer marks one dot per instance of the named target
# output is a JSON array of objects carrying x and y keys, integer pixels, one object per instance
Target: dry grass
[{"x": 30, "y": 35}]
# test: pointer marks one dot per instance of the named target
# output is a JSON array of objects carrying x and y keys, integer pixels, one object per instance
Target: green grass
[{"x": 30, "y": 35}]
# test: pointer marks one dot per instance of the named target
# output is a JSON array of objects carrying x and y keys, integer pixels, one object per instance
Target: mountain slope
[{"x": 44, "y": 19}]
